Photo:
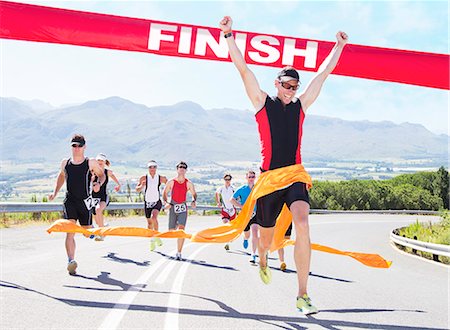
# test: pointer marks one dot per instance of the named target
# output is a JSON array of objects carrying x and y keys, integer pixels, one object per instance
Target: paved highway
[{"x": 122, "y": 285}]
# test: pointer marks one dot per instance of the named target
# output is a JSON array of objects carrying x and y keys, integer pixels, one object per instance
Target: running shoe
[
  {"x": 158, "y": 241},
  {"x": 253, "y": 259},
  {"x": 99, "y": 238},
  {"x": 227, "y": 247},
  {"x": 305, "y": 306},
  {"x": 178, "y": 256},
  {"x": 265, "y": 274},
  {"x": 245, "y": 244},
  {"x": 283, "y": 266},
  {"x": 72, "y": 267},
  {"x": 89, "y": 236},
  {"x": 152, "y": 245}
]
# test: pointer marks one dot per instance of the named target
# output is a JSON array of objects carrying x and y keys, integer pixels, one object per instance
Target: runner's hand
[
  {"x": 117, "y": 188},
  {"x": 226, "y": 23},
  {"x": 51, "y": 197},
  {"x": 167, "y": 206},
  {"x": 219, "y": 204},
  {"x": 193, "y": 204},
  {"x": 342, "y": 38}
]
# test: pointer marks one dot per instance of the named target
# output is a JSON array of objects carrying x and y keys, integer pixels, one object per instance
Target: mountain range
[{"x": 130, "y": 132}]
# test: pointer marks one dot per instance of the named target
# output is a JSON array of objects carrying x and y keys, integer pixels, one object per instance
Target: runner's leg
[{"x": 302, "y": 249}]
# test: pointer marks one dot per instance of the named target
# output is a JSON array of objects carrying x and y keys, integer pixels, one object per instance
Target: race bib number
[
  {"x": 91, "y": 202},
  {"x": 180, "y": 208},
  {"x": 230, "y": 211},
  {"x": 150, "y": 205}
]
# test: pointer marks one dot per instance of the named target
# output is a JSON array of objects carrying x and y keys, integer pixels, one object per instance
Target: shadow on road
[
  {"x": 289, "y": 322},
  {"x": 197, "y": 262},
  {"x": 105, "y": 279},
  {"x": 114, "y": 257}
]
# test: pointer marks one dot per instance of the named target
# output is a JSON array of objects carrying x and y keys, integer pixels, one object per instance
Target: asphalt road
[{"x": 122, "y": 285}]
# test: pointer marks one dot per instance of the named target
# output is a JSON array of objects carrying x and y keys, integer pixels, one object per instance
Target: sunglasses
[
  {"x": 227, "y": 179},
  {"x": 152, "y": 167},
  {"x": 181, "y": 166},
  {"x": 252, "y": 177},
  {"x": 77, "y": 146},
  {"x": 289, "y": 86}
]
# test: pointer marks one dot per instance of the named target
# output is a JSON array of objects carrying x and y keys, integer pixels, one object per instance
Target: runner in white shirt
[
  {"x": 152, "y": 198},
  {"x": 223, "y": 197}
]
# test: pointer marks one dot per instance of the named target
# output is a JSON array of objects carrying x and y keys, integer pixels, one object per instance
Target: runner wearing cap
[
  {"x": 178, "y": 211},
  {"x": 152, "y": 198},
  {"x": 223, "y": 196},
  {"x": 239, "y": 198},
  {"x": 76, "y": 171},
  {"x": 280, "y": 121},
  {"x": 101, "y": 197}
]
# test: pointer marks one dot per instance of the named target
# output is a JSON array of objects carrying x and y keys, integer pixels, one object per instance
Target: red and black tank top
[{"x": 280, "y": 132}]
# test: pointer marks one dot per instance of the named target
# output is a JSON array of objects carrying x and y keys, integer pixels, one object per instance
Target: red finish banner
[{"x": 53, "y": 25}]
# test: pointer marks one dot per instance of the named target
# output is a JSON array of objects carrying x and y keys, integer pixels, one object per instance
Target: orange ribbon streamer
[{"x": 267, "y": 183}]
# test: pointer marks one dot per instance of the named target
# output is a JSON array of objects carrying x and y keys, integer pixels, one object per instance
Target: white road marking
[
  {"x": 113, "y": 319},
  {"x": 171, "y": 322},
  {"x": 166, "y": 272}
]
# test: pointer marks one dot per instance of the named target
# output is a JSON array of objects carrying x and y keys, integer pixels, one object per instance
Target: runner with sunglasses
[
  {"x": 178, "y": 210},
  {"x": 77, "y": 171},
  {"x": 239, "y": 198},
  {"x": 151, "y": 184},
  {"x": 223, "y": 196},
  {"x": 280, "y": 121}
]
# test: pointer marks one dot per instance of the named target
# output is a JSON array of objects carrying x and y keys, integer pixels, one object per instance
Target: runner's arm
[
  {"x": 59, "y": 180},
  {"x": 193, "y": 193},
  {"x": 163, "y": 179},
  {"x": 112, "y": 176},
  {"x": 167, "y": 190},
  {"x": 219, "y": 204},
  {"x": 235, "y": 202},
  {"x": 140, "y": 184},
  {"x": 254, "y": 92},
  {"x": 95, "y": 168},
  {"x": 312, "y": 91}
]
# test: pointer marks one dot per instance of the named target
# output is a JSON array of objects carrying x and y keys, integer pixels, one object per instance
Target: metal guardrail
[
  {"x": 435, "y": 249},
  {"x": 58, "y": 207},
  {"x": 7, "y": 207}
]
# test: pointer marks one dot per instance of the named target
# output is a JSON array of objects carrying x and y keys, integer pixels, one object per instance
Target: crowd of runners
[{"x": 280, "y": 126}]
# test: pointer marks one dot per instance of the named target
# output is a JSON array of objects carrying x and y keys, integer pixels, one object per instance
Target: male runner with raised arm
[{"x": 280, "y": 121}]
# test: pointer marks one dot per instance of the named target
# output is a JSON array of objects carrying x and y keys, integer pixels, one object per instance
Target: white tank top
[
  {"x": 226, "y": 194},
  {"x": 152, "y": 189}
]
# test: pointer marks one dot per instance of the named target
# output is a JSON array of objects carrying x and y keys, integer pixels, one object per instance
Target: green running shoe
[
  {"x": 158, "y": 241},
  {"x": 304, "y": 305},
  {"x": 265, "y": 274},
  {"x": 152, "y": 245}
]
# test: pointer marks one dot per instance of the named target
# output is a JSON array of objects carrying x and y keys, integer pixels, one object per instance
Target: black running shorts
[
  {"x": 269, "y": 206},
  {"x": 252, "y": 221},
  {"x": 149, "y": 207},
  {"x": 76, "y": 209}
]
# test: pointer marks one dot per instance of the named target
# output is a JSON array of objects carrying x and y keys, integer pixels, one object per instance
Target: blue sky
[{"x": 62, "y": 74}]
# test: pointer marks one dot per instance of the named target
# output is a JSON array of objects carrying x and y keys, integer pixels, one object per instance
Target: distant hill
[{"x": 127, "y": 131}]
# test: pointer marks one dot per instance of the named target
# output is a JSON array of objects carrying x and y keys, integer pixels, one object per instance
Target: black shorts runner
[
  {"x": 252, "y": 221},
  {"x": 269, "y": 206},
  {"x": 103, "y": 198},
  {"x": 288, "y": 231},
  {"x": 149, "y": 207},
  {"x": 76, "y": 210}
]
